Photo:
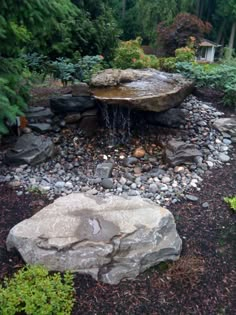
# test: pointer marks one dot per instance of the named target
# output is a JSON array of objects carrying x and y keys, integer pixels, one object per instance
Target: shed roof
[{"x": 208, "y": 43}]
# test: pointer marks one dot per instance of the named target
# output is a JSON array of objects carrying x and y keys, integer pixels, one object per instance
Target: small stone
[
  {"x": 123, "y": 180},
  {"x": 139, "y": 152},
  {"x": 104, "y": 170},
  {"x": 69, "y": 185},
  {"x": 223, "y": 157},
  {"x": 137, "y": 170},
  {"x": 153, "y": 188},
  {"x": 165, "y": 180},
  {"x": 179, "y": 169},
  {"x": 133, "y": 186},
  {"x": 60, "y": 184},
  {"x": 227, "y": 141},
  {"x": 130, "y": 161},
  {"x": 191, "y": 198},
  {"x": 205, "y": 205},
  {"x": 210, "y": 164},
  {"x": 107, "y": 183}
]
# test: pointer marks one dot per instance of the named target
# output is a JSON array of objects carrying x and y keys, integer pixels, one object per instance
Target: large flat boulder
[
  {"x": 30, "y": 149},
  {"x": 110, "y": 239},
  {"x": 146, "y": 89}
]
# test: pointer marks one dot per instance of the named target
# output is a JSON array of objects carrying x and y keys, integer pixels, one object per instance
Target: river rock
[
  {"x": 109, "y": 239},
  {"x": 144, "y": 89},
  {"x": 30, "y": 149},
  {"x": 81, "y": 89},
  {"x": 104, "y": 170},
  {"x": 179, "y": 153},
  {"x": 68, "y": 104}
]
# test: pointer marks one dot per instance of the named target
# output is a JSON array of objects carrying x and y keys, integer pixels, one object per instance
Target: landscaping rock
[
  {"x": 104, "y": 170},
  {"x": 30, "y": 149},
  {"x": 172, "y": 118},
  {"x": 110, "y": 239},
  {"x": 179, "y": 153},
  {"x": 72, "y": 118},
  {"x": 68, "y": 104},
  {"x": 145, "y": 89},
  {"x": 107, "y": 183},
  {"x": 40, "y": 127},
  {"x": 38, "y": 113},
  {"x": 227, "y": 125}
]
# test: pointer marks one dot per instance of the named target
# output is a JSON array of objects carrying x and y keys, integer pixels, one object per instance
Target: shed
[{"x": 206, "y": 50}]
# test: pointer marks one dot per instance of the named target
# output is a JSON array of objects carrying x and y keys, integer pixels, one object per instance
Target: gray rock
[
  {"x": 69, "y": 104},
  {"x": 30, "y": 149},
  {"x": 110, "y": 239},
  {"x": 81, "y": 89},
  {"x": 107, "y": 183},
  {"x": 104, "y": 170},
  {"x": 129, "y": 161},
  {"x": 179, "y": 153},
  {"x": 153, "y": 188},
  {"x": 223, "y": 157},
  {"x": 60, "y": 184},
  {"x": 173, "y": 118},
  {"x": 205, "y": 205},
  {"x": 146, "y": 89},
  {"x": 227, "y": 125},
  {"x": 40, "y": 127},
  {"x": 72, "y": 118},
  {"x": 191, "y": 198},
  {"x": 38, "y": 113}
]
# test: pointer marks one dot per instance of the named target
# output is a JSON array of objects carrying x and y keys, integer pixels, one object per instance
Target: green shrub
[
  {"x": 218, "y": 76},
  {"x": 129, "y": 54},
  {"x": 33, "y": 291},
  {"x": 71, "y": 70},
  {"x": 87, "y": 66},
  {"x": 167, "y": 64},
  {"x": 231, "y": 201},
  {"x": 184, "y": 54}
]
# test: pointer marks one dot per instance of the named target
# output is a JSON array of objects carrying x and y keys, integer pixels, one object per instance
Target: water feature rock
[
  {"x": 38, "y": 113},
  {"x": 146, "y": 89},
  {"x": 68, "y": 104},
  {"x": 172, "y": 118},
  {"x": 179, "y": 153},
  {"x": 30, "y": 149},
  {"x": 110, "y": 239}
]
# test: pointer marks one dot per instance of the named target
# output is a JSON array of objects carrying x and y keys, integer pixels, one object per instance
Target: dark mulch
[{"x": 201, "y": 282}]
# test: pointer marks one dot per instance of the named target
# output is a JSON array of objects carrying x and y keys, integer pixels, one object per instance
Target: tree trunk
[
  {"x": 232, "y": 36},
  {"x": 123, "y": 8},
  {"x": 220, "y": 33}
]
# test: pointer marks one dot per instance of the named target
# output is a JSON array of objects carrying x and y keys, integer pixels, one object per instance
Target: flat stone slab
[
  {"x": 30, "y": 149},
  {"x": 146, "y": 89},
  {"x": 110, "y": 239}
]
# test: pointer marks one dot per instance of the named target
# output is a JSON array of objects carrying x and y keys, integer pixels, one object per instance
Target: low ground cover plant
[
  {"x": 33, "y": 291},
  {"x": 231, "y": 201}
]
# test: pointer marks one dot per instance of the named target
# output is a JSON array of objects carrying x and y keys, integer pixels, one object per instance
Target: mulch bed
[{"x": 202, "y": 282}]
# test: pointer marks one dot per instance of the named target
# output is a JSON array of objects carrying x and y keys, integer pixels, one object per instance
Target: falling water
[{"x": 117, "y": 120}]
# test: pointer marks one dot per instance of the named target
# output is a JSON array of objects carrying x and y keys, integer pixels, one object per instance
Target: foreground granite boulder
[
  {"x": 30, "y": 149},
  {"x": 180, "y": 153},
  {"x": 110, "y": 239},
  {"x": 146, "y": 89}
]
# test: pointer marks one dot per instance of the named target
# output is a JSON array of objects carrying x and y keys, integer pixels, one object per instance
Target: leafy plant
[
  {"x": 64, "y": 70},
  {"x": 87, "y": 66},
  {"x": 167, "y": 64},
  {"x": 33, "y": 291},
  {"x": 220, "y": 76},
  {"x": 231, "y": 201},
  {"x": 184, "y": 54},
  {"x": 130, "y": 54}
]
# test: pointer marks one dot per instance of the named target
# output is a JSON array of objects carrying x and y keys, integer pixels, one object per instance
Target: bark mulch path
[{"x": 201, "y": 282}]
